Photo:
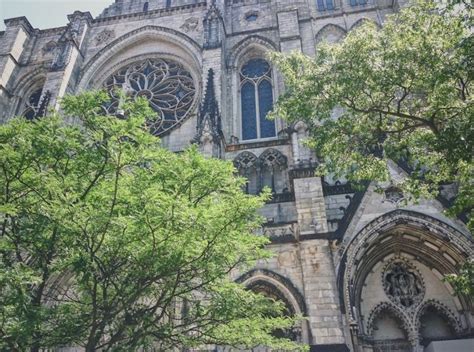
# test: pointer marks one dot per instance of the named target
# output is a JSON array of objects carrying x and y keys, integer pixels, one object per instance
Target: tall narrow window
[
  {"x": 256, "y": 99},
  {"x": 145, "y": 7},
  {"x": 168, "y": 3}
]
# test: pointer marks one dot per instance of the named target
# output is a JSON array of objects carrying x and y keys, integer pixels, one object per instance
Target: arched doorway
[{"x": 399, "y": 261}]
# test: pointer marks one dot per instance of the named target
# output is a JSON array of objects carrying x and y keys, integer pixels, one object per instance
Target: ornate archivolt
[
  {"x": 144, "y": 41},
  {"x": 398, "y": 240}
]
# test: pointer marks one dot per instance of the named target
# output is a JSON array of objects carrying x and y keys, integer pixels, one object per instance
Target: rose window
[{"x": 167, "y": 85}]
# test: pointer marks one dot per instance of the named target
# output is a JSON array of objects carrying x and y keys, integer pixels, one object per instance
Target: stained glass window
[
  {"x": 256, "y": 97},
  {"x": 166, "y": 84}
]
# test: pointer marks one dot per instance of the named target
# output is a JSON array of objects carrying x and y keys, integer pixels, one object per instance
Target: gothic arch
[
  {"x": 245, "y": 160},
  {"x": 278, "y": 287},
  {"x": 255, "y": 45},
  {"x": 433, "y": 243},
  {"x": 387, "y": 307},
  {"x": 450, "y": 317},
  {"x": 28, "y": 79},
  {"x": 272, "y": 157},
  {"x": 189, "y": 49},
  {"x": 330, "y": 31},
  {"x": 361, "y": 21},
  {"x": 285, "y": 287},
  {"x": 25, "y": 85}
]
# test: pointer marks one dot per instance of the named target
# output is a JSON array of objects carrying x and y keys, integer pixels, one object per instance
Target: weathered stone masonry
[{"x": 364, "y": 268}]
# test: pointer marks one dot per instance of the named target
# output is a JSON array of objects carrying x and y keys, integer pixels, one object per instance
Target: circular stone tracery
[{"x": 166, "y": 84}]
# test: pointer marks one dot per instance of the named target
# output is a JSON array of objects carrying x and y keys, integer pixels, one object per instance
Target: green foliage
[
  {"x": 106, "y": 239},
  {"x": 401, "y": 92},
  {"x": 464, "y": 282}
]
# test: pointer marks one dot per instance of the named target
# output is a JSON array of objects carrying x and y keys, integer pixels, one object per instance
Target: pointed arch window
[
  {"x": 30, "y": 105},
  {"x": 256, "y": 99}
]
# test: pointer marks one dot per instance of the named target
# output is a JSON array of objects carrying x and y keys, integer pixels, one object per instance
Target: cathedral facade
[{"x": 365, "y": 268}]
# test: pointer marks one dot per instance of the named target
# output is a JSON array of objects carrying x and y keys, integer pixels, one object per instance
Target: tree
[
  {"x": 110, "y": 242},
  {"x": 401, "y": 92}
]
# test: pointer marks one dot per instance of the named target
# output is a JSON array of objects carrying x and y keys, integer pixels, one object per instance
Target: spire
[{"x": 209, "y": 125}]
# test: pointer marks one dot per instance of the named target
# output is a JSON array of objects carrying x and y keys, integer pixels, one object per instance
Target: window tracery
[
  {"x": 31, "y": 104},
  {"x": 166, "y": 84},
  {"x": 256, "y": 96},
  {"x": 268, "y": 170}
]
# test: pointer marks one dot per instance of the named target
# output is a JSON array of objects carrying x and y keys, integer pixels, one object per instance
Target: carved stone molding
[
  {"x": 403, "y": 318},
  {"x": 441, "y": 309}
]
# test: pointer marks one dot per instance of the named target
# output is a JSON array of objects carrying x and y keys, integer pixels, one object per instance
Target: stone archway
[
  {"x": 400, "y": 259},
  {"x": 277, "y": 287}
]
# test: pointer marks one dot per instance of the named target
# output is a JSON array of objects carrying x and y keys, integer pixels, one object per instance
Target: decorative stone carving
[
  {"x": 209, "y": 133},
  {"x": 104, "y": 36},
  {"x": 190, "y": 24},
  {"x": 212, "y": 27},
  {"x": 393, "y": 195},
  {"x": 166, "y": 84},
  {"x": 450, "y": 317},
  {"x": 403, "y": 284},
  {"x": 49, "y": 47},
  {"x": 245, "y": 161},
  {"x": 273, "y": 158}
]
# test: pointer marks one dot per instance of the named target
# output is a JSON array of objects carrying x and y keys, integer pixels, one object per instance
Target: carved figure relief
[
  {"x": 104, "y": 37},
  {"x": 190, "y": 24},
  {"x": 402, "y": 284}
]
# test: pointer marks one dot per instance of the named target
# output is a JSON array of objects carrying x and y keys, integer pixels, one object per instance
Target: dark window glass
[
  {"x": 168, "y": 3},
  {"x": 145, "y": 7},
  {"x": 353, "y": 2},
  {"x": 255, "y": 68},
  {"x": 249, "y": 120},
  {"x": 321, "y": 6},
  {"x": 330, "y": 4},
  {"x": 252, "y": 17},
  {"x": 256, "y": 100},
  {"x": 265, "y": 101}
]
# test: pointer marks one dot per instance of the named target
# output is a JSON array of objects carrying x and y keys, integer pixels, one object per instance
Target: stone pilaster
[
  {"x": 68, "y": 55},
  {"x": 310, "y": 205},
  {"x": 17, "y": 33},
  {"x": 289, "y": 31}
]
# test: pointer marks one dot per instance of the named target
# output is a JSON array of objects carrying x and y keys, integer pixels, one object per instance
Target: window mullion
[{"x": 257, "y": 110}]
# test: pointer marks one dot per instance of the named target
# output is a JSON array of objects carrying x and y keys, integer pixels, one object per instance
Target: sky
[{"x": 48, "y": 13}]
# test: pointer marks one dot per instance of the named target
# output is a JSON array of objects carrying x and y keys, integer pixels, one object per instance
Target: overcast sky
[{"x": 48, "y": 13}]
